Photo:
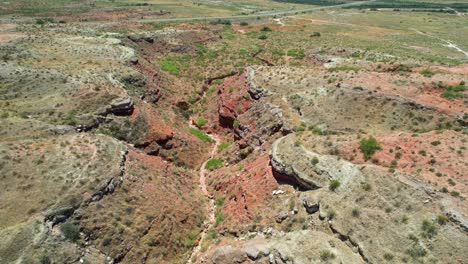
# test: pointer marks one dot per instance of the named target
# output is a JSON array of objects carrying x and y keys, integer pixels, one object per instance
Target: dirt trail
[
  {"x": 447, "y": 44},
  {"x": 194, "y": 257}
]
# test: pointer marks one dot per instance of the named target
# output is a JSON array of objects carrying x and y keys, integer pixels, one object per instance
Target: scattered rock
[
  {"x": 228, "y": 255},
  {"x": 121, "y": 106},
  {"x": 277, "y": 192},
  {"x": 281, "y": 217},
  {"x": 256, "y": 249},
  {"x": 311, "y": 205}
]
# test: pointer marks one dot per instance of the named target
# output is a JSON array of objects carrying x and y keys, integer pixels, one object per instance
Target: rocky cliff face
[{"x": 376, "y": 209}]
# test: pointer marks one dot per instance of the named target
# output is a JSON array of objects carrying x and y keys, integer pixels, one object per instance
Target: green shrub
[
  {"x": 344, "y": 68},
  {"x": 70, "y": 231},
  {"x": 427, "y": 73},
  {"x": 201, "y": 122},
  {"x": 442, "y": 219},
  {"x": 243, "y": 23},
  {"x": 331, "y": 214},
  {"x": 428, "y": 228},
  {"x": 221, "y": 22},
  {"x": 315, "y": 34},
  {"x": 266, "y": 29},
  {"x": 263, "y": 37},
  {"x": 70, "y": 119},
  {"x": 403, "y": 68},
  {"x": 219, "y": 201},
  {"x": 366, "y": 187},
  {"x": 314, "y": 161},
  {"x": 454, "y": 92},
  {"x": 416, "y": 251},
  {"x": 296, "y": 53},
  {"x": 355, "y": 212},
  {"x": 326, "y": 255},
  {"x": 223, "y": 146},
  {"x": 170, "y": 65},
  {"x": 199, "y": 134},
  {"x": 213, "y": 164},
  {"x": 388, "y": 256},
  {"x": 219, "y": 218},
  {"x": 235, "y": 123},
  {"x": 334, "y": 184},
  {"x": 369, "y": 147}
]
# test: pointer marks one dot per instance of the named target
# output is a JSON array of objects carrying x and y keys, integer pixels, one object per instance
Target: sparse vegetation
[
  {"x": 296, "y": 53},
  {"x": 355, "y": 212},
  {"x": 314, "y": 160},
  {"x": 369, "y": 147},
  {"x": 199, "y": 134},
  {"x": 334, "y": 184},
  {"x": 170, "y": 65},
  {"x": 223, "y": 146},
  {"x": 213, "y": 164},
  {"x": 70, "y": 231},
  {"x": 344, "y": 68},
  {"x": 326, "y": 255},
  {"x": 201, "y": 122},
  {"x": 454, "y": 92},
  {"x": 429, "y": 230},
  {"x": 427, "y": 72}
]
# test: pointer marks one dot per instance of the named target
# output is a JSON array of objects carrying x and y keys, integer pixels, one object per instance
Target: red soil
[
  {"x": 246, "y": 191},
  {"x": 413, "y": 86},
  {"x": 434, "y": 157}
]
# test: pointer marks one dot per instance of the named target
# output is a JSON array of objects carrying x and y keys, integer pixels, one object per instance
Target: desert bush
[
  {"x": 201, "y": 122},
  {"x": 326, "y": 255},
  {"x": 369, "y": 147},
  {"x": 454, "y": 92},
  {"x": 219, "y": 201},
  {"x": 223, "y": 146},
  {"x": 442, "y": 219},
  {"x": 355, "y": 212},
  {"x": 70, "y": 231},
  {"x": 219, "y": 218},
  {"x": 427, "y": 73},
  {"x": 199, "y": 134},
  {"x": 213, "y": 164},
  {"x": 416, "y": 251},
  {"x": 221, "y": 22},
  {"x": 314, "y": 161},
  {"x": 334, "y": 184},
  {"x": 344, "y": 68},
  {"x": 388, "y": 256},
  {"x": 296, "y": 53},
  {"x": 235, "y": 123},
  {"x": 429, "y": 230}
]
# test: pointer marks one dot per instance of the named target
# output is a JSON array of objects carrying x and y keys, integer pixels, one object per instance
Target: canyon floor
[{"x": 274, "y": 133}]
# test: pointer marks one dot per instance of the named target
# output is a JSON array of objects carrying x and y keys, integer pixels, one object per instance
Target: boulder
[
  {"x": 310, "y": 204},
  {"x": 121, "y": 106},
  {"x": 228, "y": 255},
  {"x": 281, "y": 217},
  {"x": 256, "y": 249},
  {"x": 60, "y": 214}
]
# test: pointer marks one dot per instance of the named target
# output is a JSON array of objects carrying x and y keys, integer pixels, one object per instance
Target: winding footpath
[
  {"x": 194, "y": 257},
  {"x": 447, "y": 44}
]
